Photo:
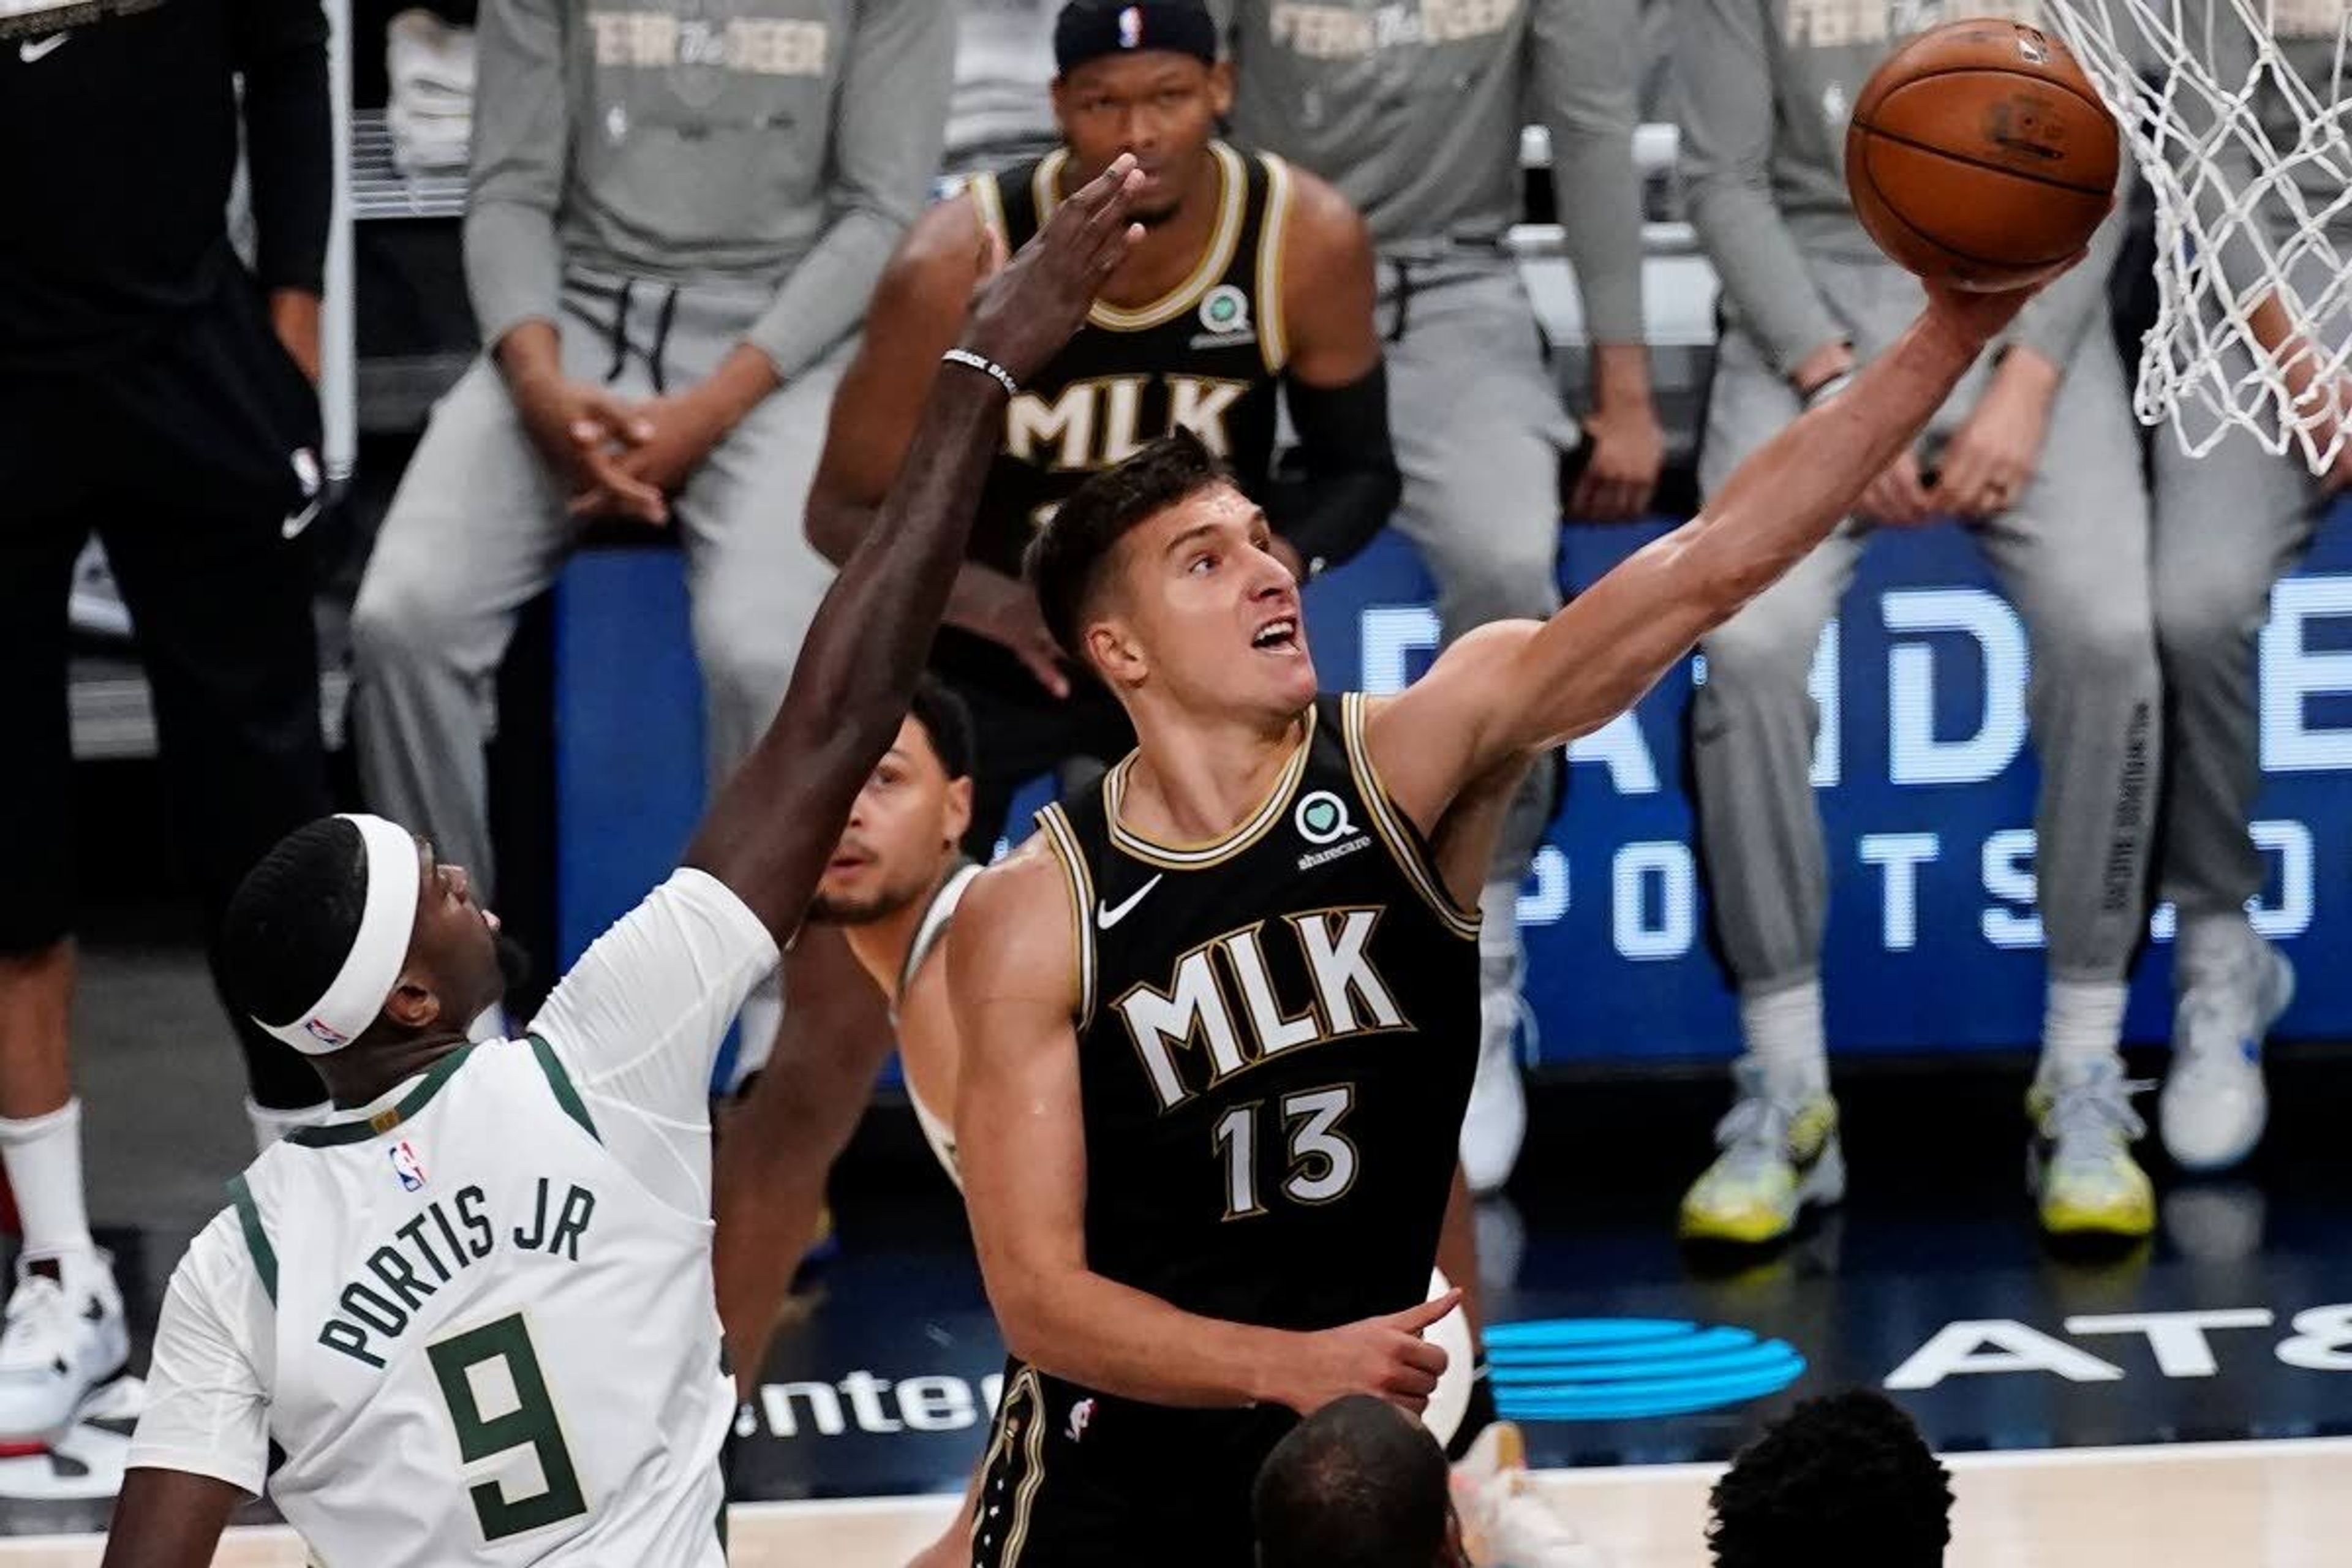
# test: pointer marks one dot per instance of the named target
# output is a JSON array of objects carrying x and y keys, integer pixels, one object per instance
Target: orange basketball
[{"x": 1979, "y": 155}]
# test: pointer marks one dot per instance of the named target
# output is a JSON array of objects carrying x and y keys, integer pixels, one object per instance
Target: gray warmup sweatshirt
[
  {"x": 1003, "y": 105},
  {"x": 784, "y": 144},
  {"x": 1414, "y": 109}
]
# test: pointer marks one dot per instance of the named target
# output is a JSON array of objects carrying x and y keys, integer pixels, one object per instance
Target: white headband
[{"x": 378, "y": 951}]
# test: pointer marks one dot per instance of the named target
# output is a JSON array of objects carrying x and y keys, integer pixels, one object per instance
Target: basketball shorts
[{"x": 1078, "y": 1480}]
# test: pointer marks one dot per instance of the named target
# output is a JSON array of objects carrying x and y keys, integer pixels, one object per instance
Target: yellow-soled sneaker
[
  {"x": 2079, "y": 1166},
  {"x": 1780, "y": 1156}
]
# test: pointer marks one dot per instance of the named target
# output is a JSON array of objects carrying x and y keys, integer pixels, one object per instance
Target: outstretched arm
[
  {"x": 1515, "y": 688},
  {"x": 1021, "y": 1132},
  {"x": 773, "y": 825}
]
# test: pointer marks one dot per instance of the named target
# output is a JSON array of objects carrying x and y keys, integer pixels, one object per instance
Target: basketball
[{"x": 1979, "y": 155}]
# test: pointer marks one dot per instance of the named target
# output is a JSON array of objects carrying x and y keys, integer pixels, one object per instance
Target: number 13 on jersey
[{"x": 1322, "y": 1160}]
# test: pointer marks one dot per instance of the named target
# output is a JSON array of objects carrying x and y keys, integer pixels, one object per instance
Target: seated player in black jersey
[
  {"x": 1220, "y": 1015},
  {"x": 1253, "y": 284}
]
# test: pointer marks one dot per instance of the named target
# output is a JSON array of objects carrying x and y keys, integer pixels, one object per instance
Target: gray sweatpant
[
  {"x": 2228, "y": 526},
  {"x": 1479, "y": 431},
  {"x": 478, "y": 529},
  {"x": 2072, "y": 556}
]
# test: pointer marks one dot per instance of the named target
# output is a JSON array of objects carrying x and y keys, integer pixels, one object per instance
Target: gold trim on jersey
[
  {"x": 1080, "y": 882},
  {"x": 1395, "y": 831},
  {"x": 1272, "y": 337},
  {"x": 1233, "y": 205},
  {"x": 987, "y": 200},
  {"x": 1214, "y": 851}
]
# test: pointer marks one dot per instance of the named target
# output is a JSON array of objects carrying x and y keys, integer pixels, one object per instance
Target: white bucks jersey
[
  {"x": 493, "y": 1344},
  {"x": 474, "y": 1315}
]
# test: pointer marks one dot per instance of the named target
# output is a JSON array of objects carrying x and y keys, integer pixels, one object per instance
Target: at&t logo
[{"x": 1625, "y": 1369}]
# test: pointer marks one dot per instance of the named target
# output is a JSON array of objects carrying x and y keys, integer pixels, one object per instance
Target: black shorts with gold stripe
[{"x": 1078, "y": 1480}]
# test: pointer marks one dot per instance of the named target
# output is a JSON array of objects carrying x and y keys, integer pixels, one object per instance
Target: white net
[{"x": 2236, "y": 115}]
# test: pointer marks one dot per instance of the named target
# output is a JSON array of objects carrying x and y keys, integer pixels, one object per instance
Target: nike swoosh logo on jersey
[
  {"x": 1106, "y": 917},
  {"x": 296, "y": 521},
  {"x": 32, "y": 52}
]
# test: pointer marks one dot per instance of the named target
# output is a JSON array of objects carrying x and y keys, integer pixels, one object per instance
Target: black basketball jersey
[
  {"x": 1276, "y": 1038},
  {"x": 1207, "y": 355}
]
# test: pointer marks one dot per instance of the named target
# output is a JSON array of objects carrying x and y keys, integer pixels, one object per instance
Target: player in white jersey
[
  {"x": 474, "y": 1311},
  {"x": 893, "y": 886}
]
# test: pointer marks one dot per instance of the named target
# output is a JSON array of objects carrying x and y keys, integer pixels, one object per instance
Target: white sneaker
[
  {"x": 2078, "y": 1164},
  {"x": 2214, "y": 1105},
  {"x": 64, "y": 1339},
  {"x": 1780, "y": 1155},
  {"x": 1506, "y": 1523},
  {"x": 1495, "y": 1124}
]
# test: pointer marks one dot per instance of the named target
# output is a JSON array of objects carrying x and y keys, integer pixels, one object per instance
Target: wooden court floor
[{"x": 2219, "y": 1505}]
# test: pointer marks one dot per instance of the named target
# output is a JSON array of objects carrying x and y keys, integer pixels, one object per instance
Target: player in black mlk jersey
[
  {"x": 1253, "y": 282},
  {"x": 1219, "y": 1017}
]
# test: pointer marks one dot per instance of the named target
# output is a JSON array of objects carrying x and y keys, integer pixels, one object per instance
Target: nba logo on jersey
[
  {"x": 1082, "y": 1415},
  {"x": 1130, "y": 27},
  {"x": 408, "y": 1167}
]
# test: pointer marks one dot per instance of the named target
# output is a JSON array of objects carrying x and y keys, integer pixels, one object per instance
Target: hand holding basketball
[
  {"x": 1981, "y": 157},
  {"x": 1978, "y": 316}
]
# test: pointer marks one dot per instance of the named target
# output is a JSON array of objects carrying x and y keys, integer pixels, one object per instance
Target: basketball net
[{"x": 2250, "y": 160}]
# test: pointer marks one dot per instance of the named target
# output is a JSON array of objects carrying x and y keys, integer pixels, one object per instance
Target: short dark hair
[
  {"x": 1359, "y": 1484},
  {"x": 1844, "y": 1481},
  {"x": 948, "y": 721},
  {"x": 292, "y": 921},
  {"x": 1065, "y": 560}
]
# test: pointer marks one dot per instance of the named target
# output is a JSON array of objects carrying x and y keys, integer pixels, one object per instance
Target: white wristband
[
  {"x": 987, "y": 367},
  {"x": 1828, "y": 388}
]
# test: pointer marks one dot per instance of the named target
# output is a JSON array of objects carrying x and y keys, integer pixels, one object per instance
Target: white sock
[
  {"x": 2082, "y": 1026},
  {"x": 1783, "y": 1031},
  {"x": 1498, "y": 912},
  {"x": 43, "y": 1155},
  {"x": 1502, "y": 957},
  {"x": 270, "y": 1125}
]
